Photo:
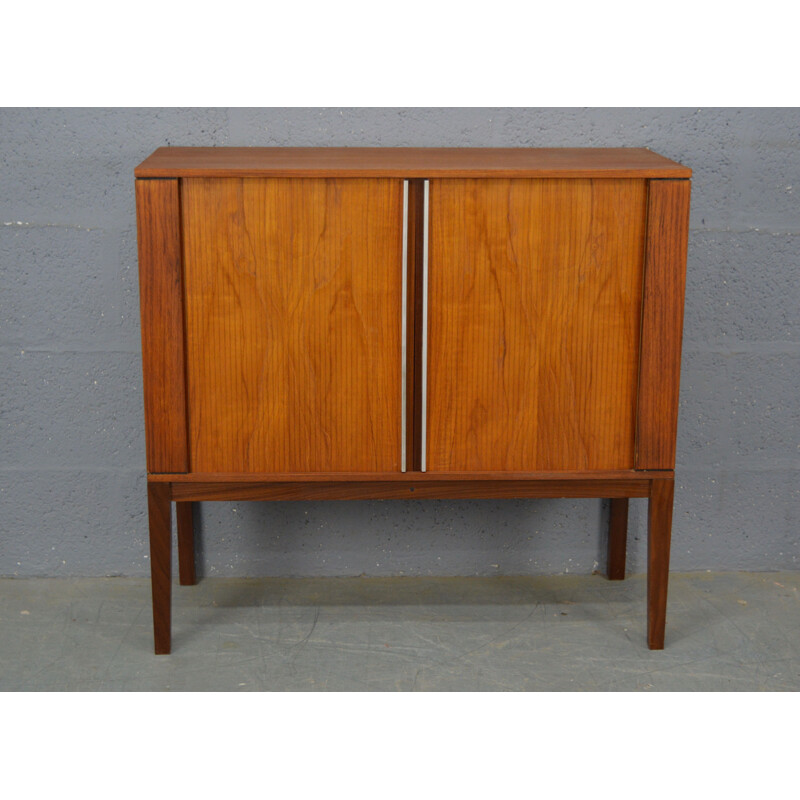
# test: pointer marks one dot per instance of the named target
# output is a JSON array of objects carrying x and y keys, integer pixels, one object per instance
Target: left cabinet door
[{"x": 293, "y": 302}]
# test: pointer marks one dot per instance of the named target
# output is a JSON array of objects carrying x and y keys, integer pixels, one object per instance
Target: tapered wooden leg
[
  {"x": 186, "y": 571},
  {"x": 617, "y": 538},
  {"x": 160, "y": 516},
  {"x": 659, "y": 531}
]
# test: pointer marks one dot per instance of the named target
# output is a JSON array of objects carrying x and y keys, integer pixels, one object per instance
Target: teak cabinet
[{"x": 347, "y": 323}]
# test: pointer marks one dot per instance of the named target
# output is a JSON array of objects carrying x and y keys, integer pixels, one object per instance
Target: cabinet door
[
  {"x": 535, "y": 294},
  {"x": 293, "y": 324}
]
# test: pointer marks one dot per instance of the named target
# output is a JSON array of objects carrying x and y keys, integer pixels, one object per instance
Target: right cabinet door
[{"x": 534, "y": 317}]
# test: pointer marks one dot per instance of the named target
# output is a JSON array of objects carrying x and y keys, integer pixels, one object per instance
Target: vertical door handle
[{"x": 424, "y": 425}]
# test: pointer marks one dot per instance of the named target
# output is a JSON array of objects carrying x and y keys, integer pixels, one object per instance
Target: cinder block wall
[{"x": 72, "y": 459}]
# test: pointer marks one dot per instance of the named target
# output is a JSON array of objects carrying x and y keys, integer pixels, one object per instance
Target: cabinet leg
[
  {"x": 659, "y": 531},
  {"x": 617, "y": 538},
  {"x": 186, "y": 570},
  {"x": 160, "y": 517}
]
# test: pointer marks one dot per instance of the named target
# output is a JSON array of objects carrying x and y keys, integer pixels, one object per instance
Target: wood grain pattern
[
  {"x": 408, "y": 489},
  {"x": 161, "y": 304},
  {"x": 409, "y": 162},
  {"x": 293, "y": 304},
  {"x": 160, "y": 521},
  {"x": 659, "y": 534},
  {"x": 271, "y": 314},
  {"x": 662, "y": 323},
  {"x": 534, "y": 318},
  {"x": 617, "y": 538}
]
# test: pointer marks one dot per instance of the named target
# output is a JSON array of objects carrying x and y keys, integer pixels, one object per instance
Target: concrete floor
[{"x": 725, "y": 632}]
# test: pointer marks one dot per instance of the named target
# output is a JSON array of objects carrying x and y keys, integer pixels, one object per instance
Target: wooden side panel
[
  {"x": 160, "y": 291},
  {"x": 662, "y": 323},
  {"x": 534, "y": 318},
  {"x": 293, "y": 304}
]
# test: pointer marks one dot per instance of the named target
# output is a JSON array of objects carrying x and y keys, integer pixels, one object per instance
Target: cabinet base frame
[{"x": 185, "y": 489}]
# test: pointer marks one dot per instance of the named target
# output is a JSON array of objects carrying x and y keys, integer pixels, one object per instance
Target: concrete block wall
[{"x": 72, "y": 488}]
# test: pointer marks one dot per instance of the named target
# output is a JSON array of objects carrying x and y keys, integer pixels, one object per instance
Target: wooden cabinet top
[{"x": 409, "y": 162}]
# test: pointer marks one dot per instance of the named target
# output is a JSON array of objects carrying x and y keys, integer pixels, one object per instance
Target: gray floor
[{"x": 725, "y": 632}]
